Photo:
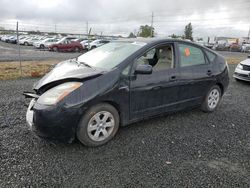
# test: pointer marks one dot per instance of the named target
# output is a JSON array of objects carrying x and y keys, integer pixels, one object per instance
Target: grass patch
[
  {"x": 234, "y": 60},
  {"x": 11, "y": 70}
]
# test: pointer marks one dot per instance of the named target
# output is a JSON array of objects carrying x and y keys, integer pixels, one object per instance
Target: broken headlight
[{"x": 56, "y": 94}]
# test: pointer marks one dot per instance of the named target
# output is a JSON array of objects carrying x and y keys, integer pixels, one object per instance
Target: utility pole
[
  {"x": 152, "y": 22},
  {"x": 88, "y": 38},
  {"x": 55, "y": 28},
  {"x": 248, "y": 37},
  {"x": 87, "y": 29},
  {"x": 19, "y": 54}
]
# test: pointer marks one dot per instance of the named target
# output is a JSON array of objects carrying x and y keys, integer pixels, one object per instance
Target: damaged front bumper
[
  {"x": 52, "y": 122},
  {"x": 30, "y": 114}
]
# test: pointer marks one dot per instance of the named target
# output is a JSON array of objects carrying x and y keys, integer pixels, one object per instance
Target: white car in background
[
  {"x": 245, "y": 47},
  {"x": 242, "y": 71},
  {"x": 97, "y": 43},
  {"x": 85, "y": 43},
  {"x": 42, "y": 44},
  {"x": 24, "y": 41},
  {"x": 32, "y": 40}
]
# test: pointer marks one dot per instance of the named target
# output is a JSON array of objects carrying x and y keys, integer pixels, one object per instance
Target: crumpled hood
[{"x": 66, "y": 70}]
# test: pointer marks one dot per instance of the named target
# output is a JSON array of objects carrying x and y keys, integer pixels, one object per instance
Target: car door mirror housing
[{"x": 144, "y": 69}]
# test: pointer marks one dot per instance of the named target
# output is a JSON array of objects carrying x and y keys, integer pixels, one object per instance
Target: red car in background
[{"x": 66, "y": 45}]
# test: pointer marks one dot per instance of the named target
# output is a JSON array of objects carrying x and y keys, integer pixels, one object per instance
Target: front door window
[{"x": 160, "y": 58}]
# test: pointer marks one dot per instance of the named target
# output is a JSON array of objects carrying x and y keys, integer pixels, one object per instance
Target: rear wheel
[
  {"x": 99, "y": 125},
  {"x": 26, "y": 44},
  {"x": 212, "y": 99},
  {"x": 42, "y": 46},
  {"x": 77, "y": 49}
]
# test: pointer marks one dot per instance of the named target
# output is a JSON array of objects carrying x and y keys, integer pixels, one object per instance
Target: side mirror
[{"x": 144, "y": 69}]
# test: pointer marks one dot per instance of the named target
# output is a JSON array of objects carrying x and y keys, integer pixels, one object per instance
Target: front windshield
[{"x": 110, "y": 55}]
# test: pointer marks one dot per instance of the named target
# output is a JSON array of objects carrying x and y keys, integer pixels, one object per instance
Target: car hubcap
[
  {"x": 213, "y": 98},
  {"x": 101, "y": 126}
]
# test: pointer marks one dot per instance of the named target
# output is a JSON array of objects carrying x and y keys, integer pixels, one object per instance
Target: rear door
[{"x": 196, "y": 73}]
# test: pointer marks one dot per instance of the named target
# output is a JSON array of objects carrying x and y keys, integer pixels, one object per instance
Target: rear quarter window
[{"x": 211, "y": 56}]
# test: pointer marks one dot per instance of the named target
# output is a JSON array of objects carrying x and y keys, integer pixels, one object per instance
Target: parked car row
[
  {"x": 224, "y": 45},
  {"x": 55, "y": 43},
  {"x": 233, "y": 47}
]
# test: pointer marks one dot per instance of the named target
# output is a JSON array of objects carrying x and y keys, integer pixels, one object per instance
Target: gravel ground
[
  {"x": 184, "y": 149},
  {"x": 9, "y": 52}
]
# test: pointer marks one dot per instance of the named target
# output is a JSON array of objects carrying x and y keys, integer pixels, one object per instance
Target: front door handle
[{"x": 172, "y": 78}]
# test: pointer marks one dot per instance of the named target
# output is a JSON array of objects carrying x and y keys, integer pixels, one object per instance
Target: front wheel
[
  {"x": 212, "y": 99},
  {"x": 55, "y": 49},
  {"x": 98, "y": 125}
]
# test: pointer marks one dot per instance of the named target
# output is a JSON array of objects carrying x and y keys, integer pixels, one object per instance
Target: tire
[
  {"x": 93, "y": 47},
  {"x": 26, "y": 44},
  {"x": 42, "y": 46},
  {"x": 55, "y": 49},
  {"x": 212, "y": 99},
  {"x": 91, "y": 133},
  {"x": 77, "y": 49}
]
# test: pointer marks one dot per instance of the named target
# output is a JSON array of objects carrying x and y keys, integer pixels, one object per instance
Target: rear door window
[{"x": 190, "y": 55}]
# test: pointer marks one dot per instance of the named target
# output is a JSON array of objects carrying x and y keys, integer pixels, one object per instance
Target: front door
[{"x": 154, "y": 93}]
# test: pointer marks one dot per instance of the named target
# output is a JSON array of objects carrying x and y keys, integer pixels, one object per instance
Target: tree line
[{"x": 148, "y": 31}]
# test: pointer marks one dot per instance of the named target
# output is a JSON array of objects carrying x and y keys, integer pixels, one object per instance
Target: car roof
[
  {"x": 162, "y": 40},
  {"x": 155, "y": 40}
]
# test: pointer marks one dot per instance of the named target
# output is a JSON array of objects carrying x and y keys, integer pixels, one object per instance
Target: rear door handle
[{"x": 209, "y": 72}]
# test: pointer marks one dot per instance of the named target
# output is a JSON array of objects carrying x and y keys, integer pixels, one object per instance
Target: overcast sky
[{"x": 210, "y": 18}]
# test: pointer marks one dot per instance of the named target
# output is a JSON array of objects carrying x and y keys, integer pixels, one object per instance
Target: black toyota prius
[{"x": 122, "y": 82}]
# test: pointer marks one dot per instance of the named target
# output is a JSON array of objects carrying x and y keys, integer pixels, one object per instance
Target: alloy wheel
[
  {"x": 101, "y": 126},
  {"x": 213, "y": 98}
]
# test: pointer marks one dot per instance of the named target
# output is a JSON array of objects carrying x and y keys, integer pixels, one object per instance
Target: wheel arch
[
  {"x": 221, "y": 87},
  {"x": 115, "y": 105}
]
